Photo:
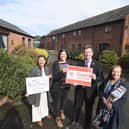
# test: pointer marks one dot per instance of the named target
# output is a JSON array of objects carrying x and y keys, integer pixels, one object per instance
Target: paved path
[{"x": 24, "y": 115}]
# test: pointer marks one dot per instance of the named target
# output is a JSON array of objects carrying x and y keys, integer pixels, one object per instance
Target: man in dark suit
[{"x": 84, "y": 93}]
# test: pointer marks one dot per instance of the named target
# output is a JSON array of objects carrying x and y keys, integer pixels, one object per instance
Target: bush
[
  {"x": 80, "y": 56},
  {"x": 74, "y": 54},
  {"x": 41, "y": 52},
  {"x": 124, "y": 61},
  {"x": 26, "y": 61},
  {"x": 22, "y": 50},
  {"x": 108, "y": 58},
  {"x": 12, "y": 75}
]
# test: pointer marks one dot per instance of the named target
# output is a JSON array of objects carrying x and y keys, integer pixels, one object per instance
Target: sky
[{"x": 39, "y": 17}]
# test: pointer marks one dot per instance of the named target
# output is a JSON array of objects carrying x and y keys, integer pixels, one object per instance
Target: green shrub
[
  {"x": 80, "y": 56},
  {"x": 41, "y": 52},
  {"x": 74, "y": 54},
  {"x": 124, "y": 61},
  {"x": 22, "y": 50},
  {"x": 12, "y": 75},
  {"x": 108, "y": 58},
  {"x": 26, "y": 61}
]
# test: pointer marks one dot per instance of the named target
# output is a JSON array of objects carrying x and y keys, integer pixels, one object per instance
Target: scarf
[{"x": 110, "y": 87}]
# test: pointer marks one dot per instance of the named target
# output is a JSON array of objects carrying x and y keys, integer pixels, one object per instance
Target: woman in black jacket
[
  {"x": 112, "y": 97},
  {"x": 59, "y": 88}
]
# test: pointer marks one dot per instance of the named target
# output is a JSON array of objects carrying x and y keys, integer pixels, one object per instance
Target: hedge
[
  {"x": 13, "y": 72},
  {"x": 108, "y": 58}
]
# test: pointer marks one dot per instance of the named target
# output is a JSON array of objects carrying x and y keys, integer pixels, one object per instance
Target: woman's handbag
[{"x": 34, "y": 99}]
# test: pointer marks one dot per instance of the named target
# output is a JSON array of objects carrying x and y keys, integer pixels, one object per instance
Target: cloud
[{"x": 42, "y": 16}]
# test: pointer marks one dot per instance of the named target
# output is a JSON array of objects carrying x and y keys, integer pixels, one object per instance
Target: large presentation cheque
[
  {"x": 37, "y": 85},
  {"x": 79, "y": 75}
]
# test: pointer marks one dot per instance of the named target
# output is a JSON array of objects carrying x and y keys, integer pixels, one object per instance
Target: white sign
[{"x": 37, "y": 85}]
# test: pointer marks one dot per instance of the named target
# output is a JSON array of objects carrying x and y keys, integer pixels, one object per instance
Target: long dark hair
[
  {"x": 62, "y": 50},
  {"x": 43, "y": 57}
]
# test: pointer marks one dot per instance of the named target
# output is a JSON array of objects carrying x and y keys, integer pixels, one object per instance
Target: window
[
  {"x": 53, "y": 42},
  {"x": 23, "y": 41},
  {"x": 29, "y": 43},
  {"x": 79, "y": 33},
  {"x": 103, "y": 46},
  {"x": 73, "y": 46},
  {"x": 63, "y": 35},
  {"x": 3, "y": 41},
  {"x": 75, "y": 33},
  {"x": 107, "y": 29},
  {"x": 79, "y": 46},
  {"x": 12, "y": 42},
  {"x": 53, "y": 37}
]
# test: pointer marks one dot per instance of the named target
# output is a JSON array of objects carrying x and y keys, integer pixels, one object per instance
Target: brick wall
[
  {"x": 15, "y": 40},
  {"x": 110, "y": 33}
]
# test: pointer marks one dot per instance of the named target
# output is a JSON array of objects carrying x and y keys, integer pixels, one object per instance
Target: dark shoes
[{"x": 73, "y": 125}]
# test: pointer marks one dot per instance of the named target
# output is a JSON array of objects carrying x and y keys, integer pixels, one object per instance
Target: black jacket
[
  {"x": 97, "y": 70},
  {"x": 57, "y": 77}
]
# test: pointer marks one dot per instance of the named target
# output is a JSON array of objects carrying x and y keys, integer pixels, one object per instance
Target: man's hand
[{"x": 93, "y": 76}]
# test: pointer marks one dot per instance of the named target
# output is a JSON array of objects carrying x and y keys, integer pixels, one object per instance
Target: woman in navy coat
[{"x": 114, "y": 81}]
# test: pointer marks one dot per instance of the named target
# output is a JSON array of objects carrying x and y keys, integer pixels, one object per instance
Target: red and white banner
[{"x": 79, "y": 75}]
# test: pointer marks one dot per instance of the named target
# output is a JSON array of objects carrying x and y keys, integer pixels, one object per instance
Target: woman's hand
[
  {"x": 50, "y": 76},
  {"x": 65, "y": 70},
  {"x": 107, "y": 103}
]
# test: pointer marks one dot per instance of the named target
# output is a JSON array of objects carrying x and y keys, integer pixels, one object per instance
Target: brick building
[
  {"x": 12, "y": 36},
  {"x": 109, "y": 30}
]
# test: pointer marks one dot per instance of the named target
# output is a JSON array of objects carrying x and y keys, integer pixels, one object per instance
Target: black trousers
[
  {"x": 79, "y": 98},
  {"x": 60, "y": 98}
]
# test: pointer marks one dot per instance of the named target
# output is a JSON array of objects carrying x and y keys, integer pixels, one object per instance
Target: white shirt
[
  {"x": 88, "y": 62},
  {"x": 43, "y": 73}
]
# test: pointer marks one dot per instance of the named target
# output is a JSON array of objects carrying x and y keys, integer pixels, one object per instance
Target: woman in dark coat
[
  {"x": 59, "y": 88},
  {"x": 115, "y": 106}
]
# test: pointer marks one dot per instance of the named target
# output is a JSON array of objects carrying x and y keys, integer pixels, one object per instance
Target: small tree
[
  {"x": 12, "y": 75},
  {"x": 108, "y": 58}
]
